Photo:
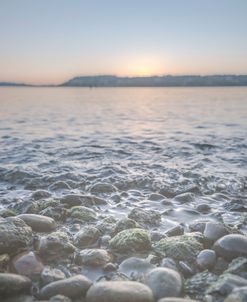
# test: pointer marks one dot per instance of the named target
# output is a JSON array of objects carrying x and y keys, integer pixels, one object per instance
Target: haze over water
[{"x": 173, "y": 140}]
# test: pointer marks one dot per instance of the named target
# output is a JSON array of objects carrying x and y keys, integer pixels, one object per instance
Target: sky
[{"x": 51, "y": 41}]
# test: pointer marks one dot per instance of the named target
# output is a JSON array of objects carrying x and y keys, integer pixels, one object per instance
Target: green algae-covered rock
[
  {"x": 82, "y": 213},
  {"x": 198, "y": 284},
  {"x": 131, "y": 240},
  {"x": 185, "y": 247}
]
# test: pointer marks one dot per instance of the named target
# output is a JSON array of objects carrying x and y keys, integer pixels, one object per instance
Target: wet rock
[
  {"x": 143, "y": 217},
  {"x": 225, "y": 284},
  {"x": 26, "y": 207},
  {"x": 93, "y": 257},
  {"x": 206, "y": 259},
  {"x": 124, "y": 224},
  {"x": 197, "y": 226},
  {"x": 49, "y": 202},
  {"x": 15, "y": 235},
  {"x": 164, "y": 282},
  {"x": 175, "y": 231},
  {"x": 237, "y": 295},
  {"x": 185, "y": 247},
  {"x": 156, "y": 197},
  {"x": 203, "y": 208},
  {"x": 72, "y": 287},
  {"x": 55, "y": 246},
  {"x": 27, "y": 264},
  {"x": 59, "y": 185},
  {"x": 119, "y": 291},
  {"x": 82, "y": 213},
  {"x": 135, "y": 268},
  {"x": 56, "y": 213},
  {"x": 177, "y": 300},
  {"x": 7, "y": 213},
  {"x": 231, "y": 246},
  {"x": 197, "y": 285},
  {"x": 73, "y": 200},
  {"x": 169, "y": 263},
  {"x": 59, "y": 298},
  {"x": 4, "y": 263},
  {"x": 38, "y": 223},
  {"x": 220, "y": 266},
  {"x": 238, "y": 267},
  {"x": 87, "y": 237},
  {"x": 40, "y": 194},
  {"x": 156, "y": 235},
  {"x": 185, "y": 197},
  {"x": 12, "y": 284},
  {"x": 49, "y": 275},
  {"x": 103, "y": 188},
  {"x": 131, "y": 240},
  {"x": 107, "y": 225},
  {"x": 214, "y": 231},
  {"x": 186, "y": 269}
]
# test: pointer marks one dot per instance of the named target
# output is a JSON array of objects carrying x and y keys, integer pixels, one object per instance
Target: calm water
[{"x": 142, "y": 140}]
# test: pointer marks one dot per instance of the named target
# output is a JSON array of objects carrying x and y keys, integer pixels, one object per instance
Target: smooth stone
[
  {"x": 156, "y": 197},
  {"x": 59, "y": 185},
  {"x": 213, "y": 231},
  {"x": 124, "y": 224},
  {"x": 175, "y": 231},
  {"x": 59, "y": 298},
  {"x": 237, "y": 295},
  {"x": 231, "y": 246},
  {"x": 203, "y": 208},
  {"x": 143, "y": 217},
  {"x": 119, "y": 291},
  {"x": 72, "y": 287},
  {"x": 206, "y": 259},
  {"x": 12, "y": 284},
  {"x": 238, "y": 266},
  {"x": 39, "y": 223},
  {"x": 103, "y": 188},
  {"x": 86, "y": 237},
  {"x": 186, "y": 269},
  {"x": 169, "y": 263},
  {"x": 82, "y": 213},
  {"x": 164, "y": 282},
  {"x": 177, "y": 300},
  {"x": 27, "y": 264},
  {"x": 93, "y": 257},
  {"x": 40, "y": 194},
  {"x": 49, "y": 275},
  {"x": 135, "y": 268},
  {"x": 55, "y": 246},
  {"x": 131, "y": 240},
  {"x": 72, "y": 200},
  {"x": 220, "y": 266},
  {"x": 15, "y": 235}
]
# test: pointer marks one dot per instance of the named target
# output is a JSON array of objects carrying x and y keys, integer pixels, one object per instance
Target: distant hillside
[
  {"x": 157, "y": 81},
  {"x": 13, "y": 84}
]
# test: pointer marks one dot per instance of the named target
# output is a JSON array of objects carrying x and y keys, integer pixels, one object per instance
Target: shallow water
[{"x": 142, "y": 140}]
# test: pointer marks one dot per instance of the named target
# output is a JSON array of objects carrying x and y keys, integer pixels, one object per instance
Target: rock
[
  {"x": 59, "y": 185},
  {"x": 164, "y": 282},
  {"x": 203, "y": 208},
  {"x": 60, "y": 298},
  {"x": 4, "y": 263},
  {"x": 220, "y": 266},
  {"x": 197, "y": 285},
  {"x": 186, "y": 269},
  {"x": 175, "y": 231},
  {"x": 135, "y": 268},
  {"x": 93, "y": 257},
  {"x": 15, "y": 235},
  {"x": 54, "y": 246},
  {"x": 231, "y": 246},
  {"x": 72, "y": 287},
  {"x": 82, "y": 213},
  {"x": 237, "y": 295},
  {"x": 169, "y": 263},
  {"x": 27, "y": 264},
  {"x": 185, "y": 197},
  {"x": 107, "y": 225},
  {"x": 57, "y": 213},
  {"x": 177, "y": 300},
  {"x": 156, "y": 235},
  {"x": 103, "y": 188},
  {"x": 7, "y": 213},
  {"x": 40, "y": 194},
  {"x": 214, "y": 231},
  {"x": 38, "y": 223},
  {"x": 125, "y": 224},
  {"x": 12, "y": 284},
  {"x": 184, "y": 247},
  {"x": 119, "y": 291},
  {"x": 131, "y": 240},
  {"x": 72, "y": 200},
  {"x": 197, "y": 226},
  {"x": 49, "y": 275},
  {"x": 87, "y": 237},
  {"x": 206, "y": 259},
  {"x": 156, "y": 197},
  {"x": 224, "y": 286},
  {"x": 238, "y": 267},
  {"x": 144, "y": 217}
]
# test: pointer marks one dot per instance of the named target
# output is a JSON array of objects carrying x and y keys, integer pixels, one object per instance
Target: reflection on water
[{"x": 145, "y": 140}]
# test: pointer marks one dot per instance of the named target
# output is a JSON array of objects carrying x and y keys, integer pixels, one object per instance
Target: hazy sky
[{"x": 49, "y": 41}]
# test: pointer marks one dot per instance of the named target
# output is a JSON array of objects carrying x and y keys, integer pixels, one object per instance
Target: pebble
[
  {"x": 50, "y": 274},
  {"x": 143, "y": 217},
  {"x": 135, "y": 268},
  {"x": 231, "y": 246},
  {"x": 39, "y": 223},
  {"x": 27, "y": 264},
  {"x": 119, "y": 291},
  {"x": 93, "y": 257},
  {"x": 213, "y": 231},
  {"x": 87, "y": 237},
  {"x": 12, "y": 284},
  {"x": 206, "y": 259},
  {"x": 72, "y": 287},
  {"x": 237, "y": 295},
  {"x": 164, "y": 282}
]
